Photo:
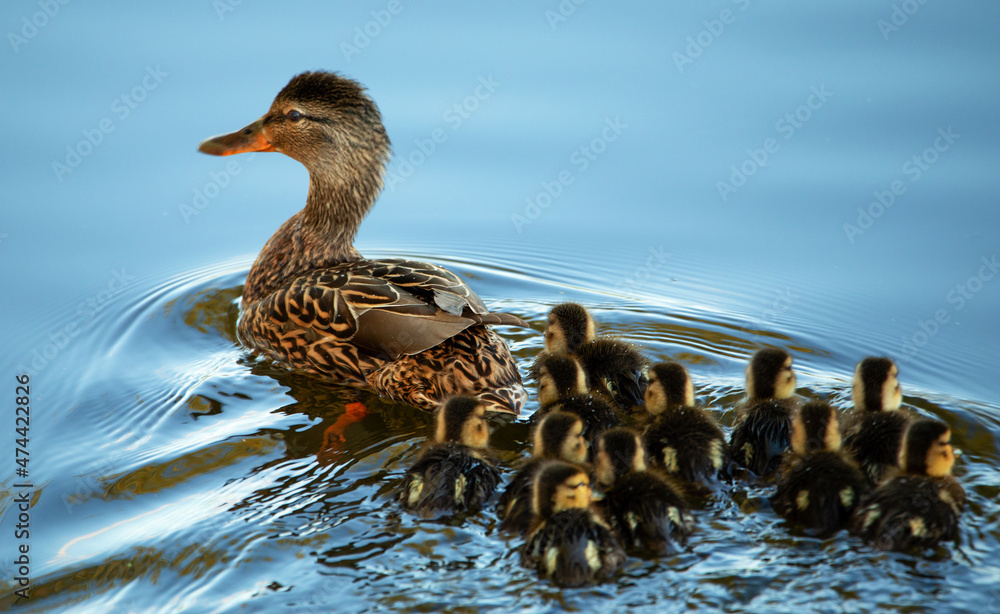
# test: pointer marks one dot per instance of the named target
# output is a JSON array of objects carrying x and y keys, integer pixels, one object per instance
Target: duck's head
[
  {"x": 558, "y": 375},
  {"x": 876, "y": 385},
  {"x": 569, "y": 327},
  {"x": 560, "y": 486},
  {"x": 927, "y": 449},
  {"x": 326, "y": 122},
  {"x": 560, "y": 435},
  {"x": 619, "y": 452},
  {"x": 669, "y": 387},
  {"x": 815, "y": 428},
  {"x": 770, "y": 375},
  {"x": 462, "y": 420}
]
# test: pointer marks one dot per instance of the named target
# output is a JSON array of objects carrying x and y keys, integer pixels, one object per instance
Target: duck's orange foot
[{"x": 333, "y": 436}]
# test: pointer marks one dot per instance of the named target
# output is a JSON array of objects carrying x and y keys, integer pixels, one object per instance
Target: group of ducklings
[{"x": 887, "y": 480}]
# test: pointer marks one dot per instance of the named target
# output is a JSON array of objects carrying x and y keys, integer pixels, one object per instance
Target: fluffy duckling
[
  {"x": 646, "y": 510},
  {"x": 457, "y": 473},
  {"x": 614, "y": 368},
  {"x": 682, "y": 440},
  {"x": 562, "y": 387},
  {"x": 818, "y": 486},
  {"x": 559, "y": 435},
  {"x": 762, "y": 431},
  {"x": 921, "y": 507},
  {"x": 569, "y": 543},
  {"x": 875, "y": 436},
  {"x": 558, "y": 375}
]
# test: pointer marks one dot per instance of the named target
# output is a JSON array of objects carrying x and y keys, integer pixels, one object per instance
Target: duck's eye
[{"x": 294, "y": 115}]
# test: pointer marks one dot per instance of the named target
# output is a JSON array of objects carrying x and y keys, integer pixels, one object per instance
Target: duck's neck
[{"x": 321, "y": 235}]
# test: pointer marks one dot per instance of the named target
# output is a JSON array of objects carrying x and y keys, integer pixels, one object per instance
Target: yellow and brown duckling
[
  {"x": 644, "y": 507},
  {"x": 762, "y": 431},
  {"x": 569, "y": 543},
  {"x": 682, "y": 440},
  {"x": 614, "y": 368},
  {"x": 921, "y": 507},
  {"x": 562, "y": 387},
  {"x": 458, "y": 472},
  {"x": 558, "y": 436},
  {"x": 878, "y": 425},
  {"x": 411, "y": 331},
  {"x": 818, "y": 487}
]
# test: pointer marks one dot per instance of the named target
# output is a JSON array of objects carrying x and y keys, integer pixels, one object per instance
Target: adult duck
[{"x": 410, "y": 331}]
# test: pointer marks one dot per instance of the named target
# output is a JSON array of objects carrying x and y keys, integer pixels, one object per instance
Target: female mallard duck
[
  {"x": 762, "y": 431},
  {"x": 645, "y": 509},
  {"x": 876, "y": 434},
  {"x": 457, "y": 473},
  {"x": 818, "y": 486},
  {"x": 921, "y": 507},
  {"x": 614, "y": 368},
  {"x": 569, "y": 543},
  {"x": 558, "y": 436},
  {"x": 411, "y": 331},
  {"x": 562, "y": 387},
  {"x": 682, "y": 440}
]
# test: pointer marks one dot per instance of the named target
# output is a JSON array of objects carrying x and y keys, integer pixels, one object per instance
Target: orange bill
[{"x": 251, "y": 138}]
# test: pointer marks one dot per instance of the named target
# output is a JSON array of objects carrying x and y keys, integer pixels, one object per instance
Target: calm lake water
[{"x": 707, "y": 179}]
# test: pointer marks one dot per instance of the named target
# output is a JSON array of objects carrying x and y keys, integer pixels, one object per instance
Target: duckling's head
[
  {"x": 560, "y": 486},
  {"x": 770, "y": 375},
  {"x": 619, "y": 452},
  {"x": 569, "y": 327},
  {"x": 560, "y": 435},
  {"x": 876, "y": 385},
  {"x": 462, "y": 420},
  {"x": 927, "y": 449},
  {"x": 815, "y": 428},
  {"x": 558, "y": 375},
  {"x": 325, "y": 121},
  {"x": 669, "y": 387}
]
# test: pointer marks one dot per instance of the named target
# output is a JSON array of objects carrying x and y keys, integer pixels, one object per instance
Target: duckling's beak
[{"x": 251, "y": 138}]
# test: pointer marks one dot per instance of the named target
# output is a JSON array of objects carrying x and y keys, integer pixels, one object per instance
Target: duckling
[
  {"x": 614, "y": 368},
  {"x": 569, "y": 543},
  {"x": 559, "y": 435},
  {"x": 562, "y": 386},
  {"x": 646, "y": 510},
  {"x": 458, "y": 472},
  {"x": 762, "y": 431},
  {"x": 818, "y": 486},
  {"x": 558, "y": 375},
  {"x": 682, "y": 440},
  {"x": 921, "y": 507},
  {"x": 411, "y": 331},
  {"x": 875, "y": 436}
]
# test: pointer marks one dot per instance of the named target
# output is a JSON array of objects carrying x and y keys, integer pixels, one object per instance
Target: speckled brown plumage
[{"x": 411, "y": 331}]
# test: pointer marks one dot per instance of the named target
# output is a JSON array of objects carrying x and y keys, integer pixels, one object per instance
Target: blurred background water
[{"x": 708, "y": 179}]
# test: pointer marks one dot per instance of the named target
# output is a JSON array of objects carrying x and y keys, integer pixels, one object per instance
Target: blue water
[{"x": 693, "y": 174}]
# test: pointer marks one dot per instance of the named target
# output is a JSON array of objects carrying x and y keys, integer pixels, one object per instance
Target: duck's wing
[{"x": 388, "y": 307}]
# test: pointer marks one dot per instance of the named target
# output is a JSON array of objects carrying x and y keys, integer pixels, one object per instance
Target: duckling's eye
[{"x": 294, "y": 115}]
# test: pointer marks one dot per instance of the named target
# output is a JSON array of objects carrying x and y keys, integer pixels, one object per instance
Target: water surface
[{"x": 175, "y": 472}]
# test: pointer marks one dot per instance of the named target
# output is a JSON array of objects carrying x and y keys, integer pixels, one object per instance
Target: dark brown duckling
[
  {"x": 569, "y": 543},
  {"x": 558, "y": 375},
  {"x": 877, "y": 426},
  {"x": 458, "y": 472},
  {"x": 762, "y": 431},
  {"x": 921, "y": 507},
  {"x": 646, "y": 510},
  {"x": 818, "y": 486},
  {"x": 562, "y": 387},
  {"x": 614, "y": 368},
  {"x": 411, "y": 331},
  {"x": 558, "y": 436},
  {"x": 683, "y": 441}
]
